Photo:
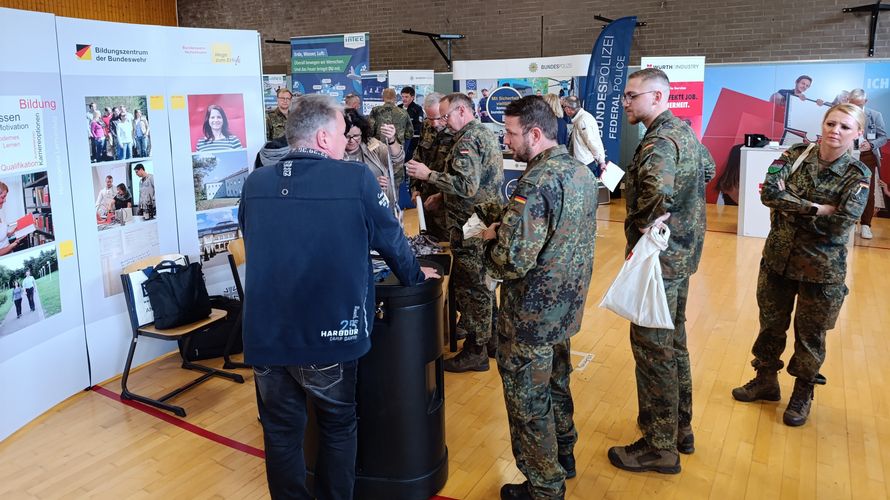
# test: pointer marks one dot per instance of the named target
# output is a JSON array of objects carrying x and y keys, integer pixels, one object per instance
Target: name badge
[{"x": 871, "y": 136}]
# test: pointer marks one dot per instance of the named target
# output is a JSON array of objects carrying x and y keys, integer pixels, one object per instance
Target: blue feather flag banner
[{"x": 606, "y": 78}]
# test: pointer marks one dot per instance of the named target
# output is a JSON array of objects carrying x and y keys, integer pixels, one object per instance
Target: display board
[
  {"x": 43, "y": 356},
  {"x": 216, "y": 128},
  {"x": 120, "y": 71},
  {"x": 422, "y": 80},
  {"x": 687, "y": 75},
  {"x": 492, "y": 84},
  {"x": 271, "y": 84},
  {"x": 329, "y": 64}
]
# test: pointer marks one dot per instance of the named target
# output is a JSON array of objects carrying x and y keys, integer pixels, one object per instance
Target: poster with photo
[
  {"x": 25, "y": 211},
  {"x": 216, "y": 122},
  {"x": 219, "y": 178},
  {"x": 216, "y": 229},
  {"x": 117, "y": 127},
  {"x": 29, "y": 288},
  {"x": 22, "y": 132},
  {"x": 118, "y": 188}
]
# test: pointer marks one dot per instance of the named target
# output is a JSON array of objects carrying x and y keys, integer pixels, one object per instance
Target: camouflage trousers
[
  {"x": 664, "y": 381},
  {"x": 473, "y": 298},
  {"x": 539, "y": 410},
  {"x": 818, "y": 306}
]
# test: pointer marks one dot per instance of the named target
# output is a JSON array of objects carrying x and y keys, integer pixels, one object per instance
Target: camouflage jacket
[
  {"x": 803, "y": 246},
  {"x": 389, "y": 113},
  {"x": 275, "y": 121},
  {"x": 668, "y": 174},
  {"x": 432, "y": 151},
  {"x": 544, "y": 249},
  {"x": 474, "y": 174}
]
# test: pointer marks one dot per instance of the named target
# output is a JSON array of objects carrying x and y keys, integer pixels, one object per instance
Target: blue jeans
[{"x": 283, "y": 394}]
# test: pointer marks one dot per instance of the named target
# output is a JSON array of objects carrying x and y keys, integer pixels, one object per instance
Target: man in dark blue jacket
[{"x": 309, "y": 223}]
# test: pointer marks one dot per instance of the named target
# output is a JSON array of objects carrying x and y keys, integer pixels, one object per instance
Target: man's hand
[
  {"x": 383, "y": 181},
  {"x": 433, "y": 203},
  {"x": 491, "y": 232},
  {"x": 864, "y": 145},
  {"x": 825, "y": 209},
  {"x": 418, "y": 170},
  {"x": 388, "y": 131},
  {"x": 429, "y": 272},
  {"x": 658, "y": 223}
]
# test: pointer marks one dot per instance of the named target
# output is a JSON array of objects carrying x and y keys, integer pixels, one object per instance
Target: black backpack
[{"x": 211, "y": 341}]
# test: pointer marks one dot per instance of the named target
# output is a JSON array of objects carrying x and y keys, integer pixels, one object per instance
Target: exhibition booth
[{"x": 59, "y": 170}]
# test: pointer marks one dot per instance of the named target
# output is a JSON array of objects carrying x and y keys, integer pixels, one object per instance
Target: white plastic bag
[{"x": 637, "y": 294}]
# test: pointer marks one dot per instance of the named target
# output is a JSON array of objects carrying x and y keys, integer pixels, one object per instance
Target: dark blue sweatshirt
[{"x": 308, "y": 225}]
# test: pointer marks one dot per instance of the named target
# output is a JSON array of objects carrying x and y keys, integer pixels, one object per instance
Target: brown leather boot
[
  {"x": 763, "y": 387},
  {"x": 472, "y": 357},
  {"x": 800, "y": 404},
  {"x": 640, "y": 457}
]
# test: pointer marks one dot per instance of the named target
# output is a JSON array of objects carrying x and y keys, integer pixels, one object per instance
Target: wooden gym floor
[{"x": 92, "y": 445}]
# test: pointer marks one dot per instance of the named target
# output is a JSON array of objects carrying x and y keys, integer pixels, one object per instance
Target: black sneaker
[{"x": 640, "y": 457}]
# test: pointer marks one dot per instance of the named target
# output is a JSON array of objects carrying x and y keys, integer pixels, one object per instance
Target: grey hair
[
  {"x": 308, "y": 114},
  {"x": 432, "y": 99},
  {"x": 857, "y": 94}
]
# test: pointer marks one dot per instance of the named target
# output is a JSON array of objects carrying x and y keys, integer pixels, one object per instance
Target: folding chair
[
  {"x": 183, "y": 332},
  {"x": 236, "y": 259}
]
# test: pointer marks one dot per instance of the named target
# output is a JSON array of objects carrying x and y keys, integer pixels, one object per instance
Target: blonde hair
[
  {"x": 850, "y": 110},
  {"x": 553, "y": 101}
]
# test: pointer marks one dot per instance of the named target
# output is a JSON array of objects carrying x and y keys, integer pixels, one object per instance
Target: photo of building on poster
[
  {"x": 117, "y": 127},
  {"x": 124, "y": 194},
  {"x": 25, "y": 212},
  {"x": 216, "y": 122},
  {"x": 22, "y": 137},
  {"x": 219, "y": 178},
  {"x": 216, "y": 229},
  {"x": 29, "y": 288}
]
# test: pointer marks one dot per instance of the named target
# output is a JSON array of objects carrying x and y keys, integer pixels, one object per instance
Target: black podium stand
[{"x": 400, "y": 398}]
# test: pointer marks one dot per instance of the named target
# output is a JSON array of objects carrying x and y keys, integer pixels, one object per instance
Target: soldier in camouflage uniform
[
  {"x": 276, "y": 118},
  {"x": 389, "y": 113},
  {"x": 666, "y": 180},
  {"x": 432, "y": 150},
  {"x": 474, "y": 174},
  {"x": 816, "y": 194},
  {"x": 543, "y": 250}
]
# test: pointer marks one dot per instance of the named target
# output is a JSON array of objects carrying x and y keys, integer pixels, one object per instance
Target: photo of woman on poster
[
  {"x": 123, "y": 198},
  {"x": 97, "y": 137},
  {"x": 217, "y": 136}
]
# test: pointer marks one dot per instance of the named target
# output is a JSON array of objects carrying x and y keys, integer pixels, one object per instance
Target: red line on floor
[{"x": 182, "y": 424}]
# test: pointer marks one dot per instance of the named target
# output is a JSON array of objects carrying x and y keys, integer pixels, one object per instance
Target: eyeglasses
[
  {"x": 628, "y": 97},
  {"x": 433, "y": 119},
  {"x": 353, "y": 137},
  {"x": 455, "y": 110},
  {"x": 285, "y": 98}
]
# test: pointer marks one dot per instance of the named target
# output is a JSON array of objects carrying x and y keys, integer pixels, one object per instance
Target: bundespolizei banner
[
  {"x": 329, "y": 64},
  {"x": 606, "y": 77}
]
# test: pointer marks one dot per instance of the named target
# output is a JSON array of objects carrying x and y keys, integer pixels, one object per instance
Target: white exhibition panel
[
  {"x": 532, "y": 67},
  {"x": 43, "y": 357},
  {"x": 126, "y": 66},
  {"x": 222, "y": 68},
  {"x": 753, "y": 218}
]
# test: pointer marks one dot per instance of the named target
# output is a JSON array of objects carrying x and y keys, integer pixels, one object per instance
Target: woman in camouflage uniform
[{"x": 816, "y": 194}]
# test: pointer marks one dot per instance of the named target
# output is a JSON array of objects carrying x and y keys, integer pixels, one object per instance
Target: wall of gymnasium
[
  {"x": 731, "y": 31},
  {"x": 158, "y": 12}
]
